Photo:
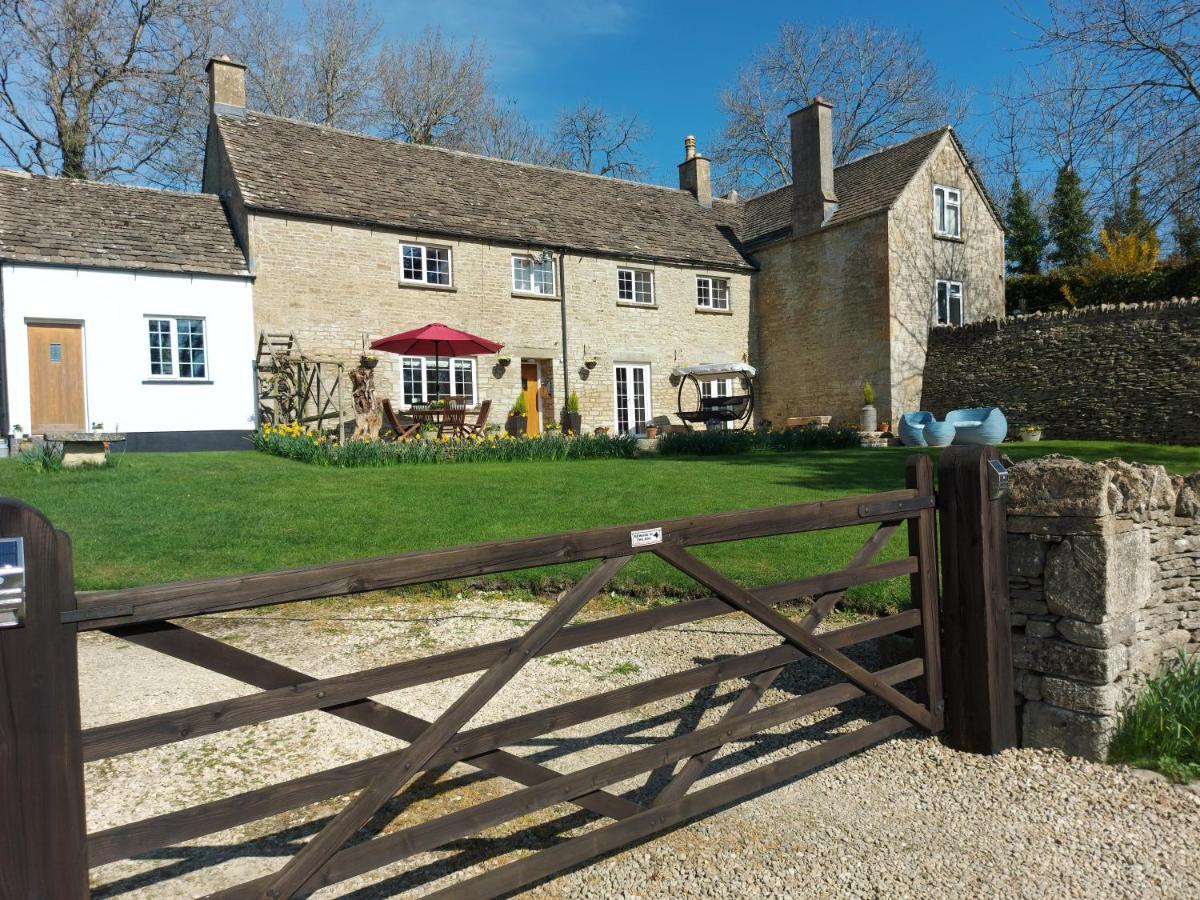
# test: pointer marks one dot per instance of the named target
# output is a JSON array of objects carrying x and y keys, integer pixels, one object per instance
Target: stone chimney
[
  {"x": 813, "y": 200},
  {"x": 695, "y": 175},
  {"x": 226, "y": 85}
]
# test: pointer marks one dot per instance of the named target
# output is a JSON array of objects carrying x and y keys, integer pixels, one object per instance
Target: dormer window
[
  {"x": 422, "y": 264},
  {"x": 947, "y": 211}
]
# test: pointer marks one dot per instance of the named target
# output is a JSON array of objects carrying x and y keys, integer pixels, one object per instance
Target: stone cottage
[{"x": 602, "y": 286}]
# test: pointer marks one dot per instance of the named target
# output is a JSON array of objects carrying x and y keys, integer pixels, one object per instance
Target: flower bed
[
  {"x": 719, "y": 443},
  {"x": 294, "y": 442}
]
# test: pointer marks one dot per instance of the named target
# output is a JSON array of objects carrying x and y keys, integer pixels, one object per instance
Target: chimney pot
[
  {"x": 813, "y": 198},
  {"x": 226, "y": 85},
  {"x": 695, "y": 173}
]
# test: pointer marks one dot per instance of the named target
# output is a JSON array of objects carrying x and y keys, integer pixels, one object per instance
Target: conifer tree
[
  {"x": 1025, "y": 238},
  {"x": 1070, "y": 225}
]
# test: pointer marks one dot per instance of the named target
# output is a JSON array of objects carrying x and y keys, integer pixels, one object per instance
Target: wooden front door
[
  {"x": 530, "y": 388},
  {"x": 55, "y": 377}
]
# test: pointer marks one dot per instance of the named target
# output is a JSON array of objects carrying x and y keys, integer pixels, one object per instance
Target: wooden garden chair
[
  {"x": 454, "y": 418},
  {"x": 481, "y": 419},
  {"x": 399, "y": 429}
]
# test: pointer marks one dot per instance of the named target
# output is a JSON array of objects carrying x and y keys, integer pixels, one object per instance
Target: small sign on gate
[{"x": 645, "y": 537}]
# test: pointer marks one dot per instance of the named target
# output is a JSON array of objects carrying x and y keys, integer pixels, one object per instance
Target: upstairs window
[
  {"x": 948, "y": 299},
  {"x": 177, "y": 348},
  {"x": 532, "y": 275},
  {"x": 947, "y": 211},
  {"x": 712, "y": 293},
  {"x": 635, "y": 286},
  {"x": 421, "y": 264}
]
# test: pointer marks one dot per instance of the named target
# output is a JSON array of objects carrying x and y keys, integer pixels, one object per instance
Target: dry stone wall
[
  {"x": 1104, "y": 575},
  {"x": 1101, "y": 373}
]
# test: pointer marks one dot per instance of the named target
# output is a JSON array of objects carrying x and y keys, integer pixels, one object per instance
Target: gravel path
[{"x": 905, "y": 818}]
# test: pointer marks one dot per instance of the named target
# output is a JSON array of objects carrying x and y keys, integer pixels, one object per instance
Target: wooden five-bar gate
[{"x": 47, "y": 851}]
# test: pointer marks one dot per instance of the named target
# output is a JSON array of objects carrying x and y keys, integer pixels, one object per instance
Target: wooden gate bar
[
  {"x": 128, "y": 840},
  {"x": 170, "y": 601},
  {"x": 742, "y": 599},
  {"x": 602, "y": 840},
  {"x": 333, "y": 836},
  {"x": 311, "y": 694},
  {"x": 429, "y": 835},
  {"x": 923, "y": 585}
]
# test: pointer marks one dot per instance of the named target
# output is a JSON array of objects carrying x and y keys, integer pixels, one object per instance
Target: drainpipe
[
  {"x": 562, "y": 300},
  {"x": 4, "y": 424}
]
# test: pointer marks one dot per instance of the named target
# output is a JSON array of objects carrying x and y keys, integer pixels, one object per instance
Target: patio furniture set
[
  {"x": 448, "y": 417},
  {"x": 983, "y": 425}
]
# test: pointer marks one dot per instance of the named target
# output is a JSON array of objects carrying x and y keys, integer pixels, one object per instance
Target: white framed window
[
  {"x": 425, "y": 378},
  {"x": 947, "y": 211},
  {"x": 635, "y": 286},
  {"x": 532, "y": 275},
  {"x": 177, "y": 348},
  {"x": 948, "y": 302},
  {"x": 712, "y": 293},
  {"x": 423, "y": 264}
]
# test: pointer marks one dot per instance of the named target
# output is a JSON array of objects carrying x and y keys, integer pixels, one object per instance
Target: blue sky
[{"x": 668, "y": 61}]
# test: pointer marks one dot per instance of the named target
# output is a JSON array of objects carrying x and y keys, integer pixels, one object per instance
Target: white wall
[{"x": 112, "y": 307}]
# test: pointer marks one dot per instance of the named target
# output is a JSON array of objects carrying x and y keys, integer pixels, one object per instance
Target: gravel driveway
[{"x": 905, "y": 818}]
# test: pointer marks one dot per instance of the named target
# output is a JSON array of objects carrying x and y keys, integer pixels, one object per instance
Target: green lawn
[{"x": 167, "y": 517}]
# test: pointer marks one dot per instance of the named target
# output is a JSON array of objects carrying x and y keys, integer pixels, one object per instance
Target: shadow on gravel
[{"x": 650, "y": 728}]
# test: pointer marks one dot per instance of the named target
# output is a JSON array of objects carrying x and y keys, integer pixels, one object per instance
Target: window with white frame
[
  {"x": 712, "y": 293},
  {"x": 948, "y": 299},
  {"x": 635, "y": 286},
  {"x": 425, "y": 378},
  {"x": 422, "y": 264},
  {"x": 947, "y": 211},
  {"x": 177, "y": 348},
  {"x": 533, "y": 275}
]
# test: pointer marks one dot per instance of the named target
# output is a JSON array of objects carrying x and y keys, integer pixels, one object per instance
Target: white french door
[{"x": 631, "y": 386}]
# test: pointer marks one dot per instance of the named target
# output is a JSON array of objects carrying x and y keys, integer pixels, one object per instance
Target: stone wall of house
[
  {"x": 821, "y": 325},
  {"x": 1104, "y": 372},
  {"x": 1104, "y": 575},
  {"x": 918, "y": 258},
  {"x": 332, "y": 284}
]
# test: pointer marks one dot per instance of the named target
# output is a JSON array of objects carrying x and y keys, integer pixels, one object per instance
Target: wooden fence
[{"x": 47, "y": 852}]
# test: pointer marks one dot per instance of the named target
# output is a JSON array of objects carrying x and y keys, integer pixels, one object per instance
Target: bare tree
[
  {"x": 339, "y": 58},
  {"x": 103, "y": 89},
  {"x": 272, "y": 47},
  {"x": 882, "y": 86},
  {"x": 592, "y": 139},
  {"x": 430, "y": 90},
  {"x": 503, "y": 132}
]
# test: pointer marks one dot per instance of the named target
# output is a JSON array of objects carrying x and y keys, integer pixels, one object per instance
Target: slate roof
[
  {"x": 292, "y": 167},
  {"x": 865, "y": 186},
  {"x": 85, "y": 223}
]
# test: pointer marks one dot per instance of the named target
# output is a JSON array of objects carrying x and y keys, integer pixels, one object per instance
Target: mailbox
[
  {"x": 997, "y": 479},
  {"x": 12, "y": 582}
]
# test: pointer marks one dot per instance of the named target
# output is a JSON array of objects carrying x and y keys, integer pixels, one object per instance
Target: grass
[
  {"x": 1160, "y": 729},
  {"x": 169, "y": 517}
]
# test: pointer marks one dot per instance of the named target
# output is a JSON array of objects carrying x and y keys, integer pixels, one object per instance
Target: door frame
[
  {"x": 649, "y": 394},
  {"x": 537, "y": 394},
  {"x": 83, "y": 352}
]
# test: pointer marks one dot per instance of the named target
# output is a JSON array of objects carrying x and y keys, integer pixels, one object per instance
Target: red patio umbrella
[{"x": 433, "y": 340}]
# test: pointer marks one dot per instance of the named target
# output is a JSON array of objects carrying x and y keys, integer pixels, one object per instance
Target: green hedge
[
  {"x": 293, "y": 443},
  {"x": 721, "y": 443},
  {"x": 1038, "y": 293}
]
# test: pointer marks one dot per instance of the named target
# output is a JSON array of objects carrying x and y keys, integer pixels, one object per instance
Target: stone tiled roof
[
  {"x": 293, "y": 167},
  {"x": 865, "y": 186},
  {"x": 83, "y": 223}
]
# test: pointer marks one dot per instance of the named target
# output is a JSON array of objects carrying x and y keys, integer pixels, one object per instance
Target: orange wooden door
[
  {"x": 529, "y": 387},
  {"x": 55, "y": 377}
]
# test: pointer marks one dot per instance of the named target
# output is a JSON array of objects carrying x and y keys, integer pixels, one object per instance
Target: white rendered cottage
[{"x": 123, "y": 309}]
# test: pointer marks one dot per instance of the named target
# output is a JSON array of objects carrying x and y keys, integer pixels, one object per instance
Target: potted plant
[
  {"x": 1030, "y": 432},
  {"x": 517, "y": 417},
  {"x": 571, "y": 420},
  {"x": 590, "y": 361},
  {"x": 368, "y": 361},
  {"x": 651, "y": 432},
  {"x": 504, "y": 360},
  {"x": 868, "y": 420},
  {"x": 18, "y": 441}
]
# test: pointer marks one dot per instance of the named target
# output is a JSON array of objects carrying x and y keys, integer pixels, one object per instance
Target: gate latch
[
  {"x": 12, "y": 582},
  {"x": 997, "y": 479}
]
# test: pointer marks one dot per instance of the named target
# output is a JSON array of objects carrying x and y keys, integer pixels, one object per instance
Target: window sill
[
  {"x": 177, "y": 381},
  {"x": 948, "y": 237},
  {"x": 533, "y": 295},
  {"x": 632, "y": 305},
  {"x": 704, "y": 310},
  {"x": 421, "y": 286}
]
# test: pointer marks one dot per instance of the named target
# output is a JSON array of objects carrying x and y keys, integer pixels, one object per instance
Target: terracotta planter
[
  {"x": 651, "y": 432},
  {"x": 515, "y": 425},
  {"x": 572, "y": 422}
]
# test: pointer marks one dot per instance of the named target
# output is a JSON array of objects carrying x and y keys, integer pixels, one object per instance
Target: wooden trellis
[{"x": 292, "y": 387}]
